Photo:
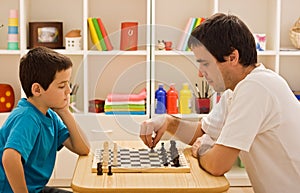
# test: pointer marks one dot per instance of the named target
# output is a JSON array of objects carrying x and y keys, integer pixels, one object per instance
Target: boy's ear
[{"x": 36, "y": 89}]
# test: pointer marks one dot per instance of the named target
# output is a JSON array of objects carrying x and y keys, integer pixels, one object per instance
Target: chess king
[{"x": 7, "y": 98}]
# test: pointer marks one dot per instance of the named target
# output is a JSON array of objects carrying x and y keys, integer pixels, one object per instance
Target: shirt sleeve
[
  {"x": 23, "y": 135},
  {"x": 247, "y": 113},
  {"x": 213, "y": 123}
]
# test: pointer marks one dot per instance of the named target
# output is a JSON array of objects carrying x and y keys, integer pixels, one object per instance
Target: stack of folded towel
[{"x": 126, "y": 104}]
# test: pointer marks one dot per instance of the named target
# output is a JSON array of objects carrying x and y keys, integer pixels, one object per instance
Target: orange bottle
[{"x": 172, "y": 100}]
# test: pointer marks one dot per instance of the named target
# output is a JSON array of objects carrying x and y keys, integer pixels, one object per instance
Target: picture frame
[{"x": 48, "y": 34}]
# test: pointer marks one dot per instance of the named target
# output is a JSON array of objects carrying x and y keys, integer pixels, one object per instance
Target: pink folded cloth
[{"x": 127, "y": 97}]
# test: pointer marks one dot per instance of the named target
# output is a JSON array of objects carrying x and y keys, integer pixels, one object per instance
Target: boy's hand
[
  {"x": 156, "y": 126},
  {"x": 63, "y": 109},
  {"x": 202, "y": 145}
]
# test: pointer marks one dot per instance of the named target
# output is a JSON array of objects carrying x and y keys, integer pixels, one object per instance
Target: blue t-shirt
[{"x": 37, "y": 137}]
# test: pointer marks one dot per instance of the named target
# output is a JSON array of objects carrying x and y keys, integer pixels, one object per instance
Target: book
[
  {"x": 99, "y": 34},
  {"x": 129, "y": 36},
  {"x": 187, "y": 35},
  {"x": 190, "y": 26},
  {"x": 184, "y": 34},
  {"x": 105, "y": 35},
  {"x": 93, "y": 34},
  {"x": 198, "y": 21}
]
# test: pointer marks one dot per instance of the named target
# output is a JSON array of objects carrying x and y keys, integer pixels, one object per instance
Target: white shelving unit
[{"x": 100, "y": 73}]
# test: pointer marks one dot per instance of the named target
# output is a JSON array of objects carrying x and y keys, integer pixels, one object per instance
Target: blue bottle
[{"x": 160, "y": 99}]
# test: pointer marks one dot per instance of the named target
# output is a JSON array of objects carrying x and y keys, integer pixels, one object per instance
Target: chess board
[{"x": 141, "y": 160}]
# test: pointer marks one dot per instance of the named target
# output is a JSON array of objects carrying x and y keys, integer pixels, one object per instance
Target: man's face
[{"x": 209, "y": 68}]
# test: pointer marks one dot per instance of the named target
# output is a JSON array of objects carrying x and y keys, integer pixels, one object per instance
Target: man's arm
[
  {"x": 219, "y": 159},
  {"x": 14, "y": 171},
  {"x": 186, "y": 131}
]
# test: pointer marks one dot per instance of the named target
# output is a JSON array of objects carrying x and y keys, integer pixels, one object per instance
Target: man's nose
[{"x": 200, "y": 74}]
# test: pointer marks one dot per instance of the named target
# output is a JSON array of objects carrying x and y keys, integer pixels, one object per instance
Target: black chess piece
[
  {"x": 162, "y": 149},
  {"x": 99, "y": 169},
  {"x": 152, "y": 150},
  {"x": 109, "y": 173},
  {"x": 176, "y": 161},
  {"x": 165, "y": 160}
]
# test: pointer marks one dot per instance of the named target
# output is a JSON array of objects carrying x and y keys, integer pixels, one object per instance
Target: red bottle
[{"x": 172, "y": 100}]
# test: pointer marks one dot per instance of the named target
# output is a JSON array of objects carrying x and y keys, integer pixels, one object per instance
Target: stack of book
[
  {"x": 99, "y": 34},
  {"x": 126, "y": 104},
  {"x": 191, "y": 24}
]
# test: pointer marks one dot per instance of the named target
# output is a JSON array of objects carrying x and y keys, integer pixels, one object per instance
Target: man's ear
[
  {"x": 36, "y": 89},
  {"x": 234, "y": 57}
]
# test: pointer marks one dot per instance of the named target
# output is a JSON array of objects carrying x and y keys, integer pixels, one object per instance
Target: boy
[{"x": 40, "y": 125}]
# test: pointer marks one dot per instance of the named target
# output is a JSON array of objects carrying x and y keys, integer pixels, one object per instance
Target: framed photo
[{"x": 48, "y": 34}]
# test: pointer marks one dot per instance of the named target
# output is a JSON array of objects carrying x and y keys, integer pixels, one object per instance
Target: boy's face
[
  {"x": 58, "y": 93},
  {"x": 209, "y": 68}
]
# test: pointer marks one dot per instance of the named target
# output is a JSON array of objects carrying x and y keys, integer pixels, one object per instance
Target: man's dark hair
[
  {"x": 221, "y": 34},
  {"x": 40, "y": 65}
]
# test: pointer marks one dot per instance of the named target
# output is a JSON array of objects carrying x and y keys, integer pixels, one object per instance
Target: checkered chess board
[{"x": 141, "y": 160}]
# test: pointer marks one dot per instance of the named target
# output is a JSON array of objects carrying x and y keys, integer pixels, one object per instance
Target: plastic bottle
[
  {"x": 185, "y": 96},
  {"x": 160, "y": 99},
  {"x": 172, "y": 100}
]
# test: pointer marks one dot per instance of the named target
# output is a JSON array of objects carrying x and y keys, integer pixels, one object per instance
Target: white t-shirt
[{"x": 261, "y": 117}]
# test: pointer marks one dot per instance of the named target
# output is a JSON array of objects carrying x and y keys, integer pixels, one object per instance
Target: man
[{"x": 257, "y": 118}]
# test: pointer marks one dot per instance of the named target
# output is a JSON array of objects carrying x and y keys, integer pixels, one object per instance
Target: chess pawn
[
  {"x": 99, "y": 169},
  {"x": 115, "y": 155},
  {"x": 109, "y": 173}
]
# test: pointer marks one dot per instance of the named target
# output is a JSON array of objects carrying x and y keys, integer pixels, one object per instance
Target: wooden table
[{"x": 195, "y": 181}]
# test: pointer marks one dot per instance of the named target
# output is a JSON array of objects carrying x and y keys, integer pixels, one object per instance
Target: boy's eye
[{"x": 62, "y": 86}]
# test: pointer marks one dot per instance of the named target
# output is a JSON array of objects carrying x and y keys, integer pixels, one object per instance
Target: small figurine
[
  {"x": 168, "y": 45},
  {"x": 164, "y": 45},
  {"x": 73, "y": 40},
  {"x": 161, "y": 45}
]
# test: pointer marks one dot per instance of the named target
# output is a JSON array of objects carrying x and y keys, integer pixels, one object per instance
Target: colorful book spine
[
  {"x": 184, "y": 46},
  {"x": 198, "y": 21},
  {"x": 105, "y": 35},
  {"x": 93, "y": 34},
  {"x": 184, "y": 35},
  {"x": 99, "y": 34}
]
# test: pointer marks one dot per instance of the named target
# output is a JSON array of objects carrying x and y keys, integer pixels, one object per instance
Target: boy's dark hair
[
  {"x": 221, "y": 34},
  {"x": 40, "y": 65}
]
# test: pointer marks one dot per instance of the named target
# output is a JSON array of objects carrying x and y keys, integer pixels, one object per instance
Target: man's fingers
[
  {"x": 157, "y": 137},
  {"x": 196, "y": 146}
]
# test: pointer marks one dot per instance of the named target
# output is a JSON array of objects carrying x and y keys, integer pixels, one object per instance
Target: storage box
[{"x": 73, "y": 43}]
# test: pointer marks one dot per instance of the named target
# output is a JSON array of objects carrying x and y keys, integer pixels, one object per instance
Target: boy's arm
[
  {"x": 14, "y": 171},
  {"x": 77, "y": 142}
]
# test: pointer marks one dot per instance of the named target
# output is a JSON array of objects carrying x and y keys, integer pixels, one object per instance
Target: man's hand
[
  {"x": 157, "y": 126},
  {"x": 202, "y": 145}
]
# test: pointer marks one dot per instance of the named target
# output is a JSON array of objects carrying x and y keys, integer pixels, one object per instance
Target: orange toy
[{"x": 7, "y": 98}]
